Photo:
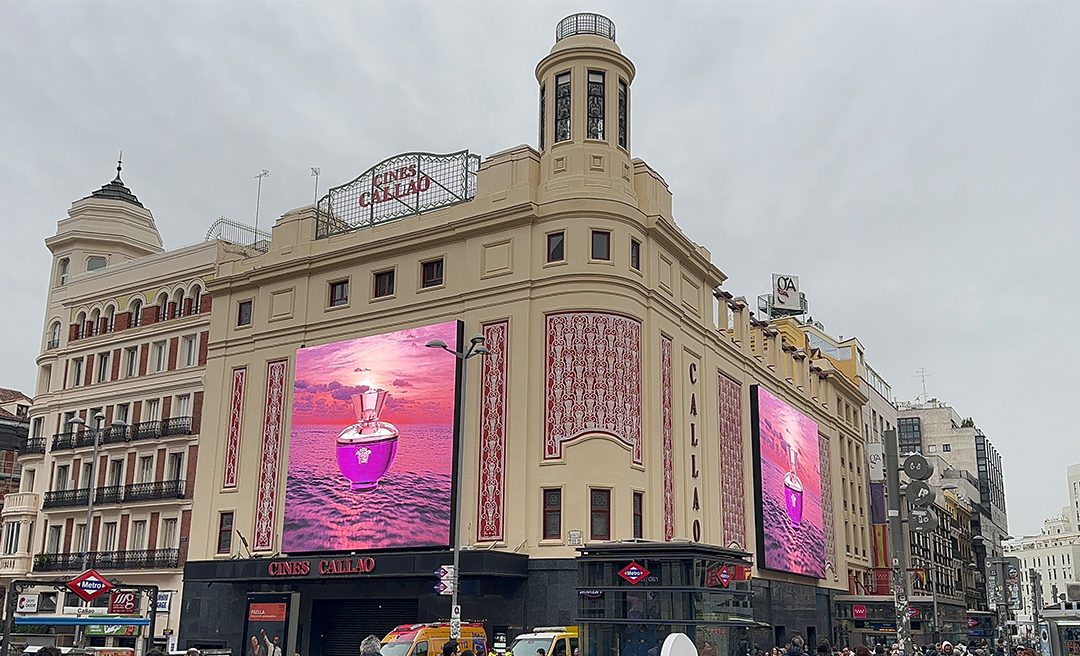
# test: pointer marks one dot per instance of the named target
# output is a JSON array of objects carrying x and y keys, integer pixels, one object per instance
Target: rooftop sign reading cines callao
[{"x": 400, "y": 186}]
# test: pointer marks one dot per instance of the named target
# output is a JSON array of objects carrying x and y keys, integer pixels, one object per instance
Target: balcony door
[
  {"x": 146, "y": 469},
  {"x": 116, "y": 473},
  {"x": 108, "y": 542},
  {"x": 63, "y": 478},
  {"x": 138, "y": 535},
  {"x": 176, "y": 466},
  {"x": 87, "y": 474},
  {"x": 52, "y": 544}
]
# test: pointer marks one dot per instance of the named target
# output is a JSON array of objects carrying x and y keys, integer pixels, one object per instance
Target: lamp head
[
  {"x": 117, "y": 423},
  {"x": 482, "y": 350},
  {"x": 478, "y": 338},
  {"x": 99, "y": 416},
  {"x": 436, "y": 343},
  {"x": 77, "y": 421}
]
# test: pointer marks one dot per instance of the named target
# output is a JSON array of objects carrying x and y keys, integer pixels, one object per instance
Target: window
[
  {"x": 84, "y": 480},
  {"x": 168, "y": 534},
  {"x": 63, "y": 478},
  {"x": 421, "y": 649},
  {"x": 103, "y": 367},
  {"x": 562, "y": 107},
  {"x": 121, "y": 413},
  {"x": 29, "y": 477},
  {"x": 600, "y": 514},
  {"x": 542, "y": 112},
  {"x": 136, "y": 313},
  {"x": 601, "y": 245},
  {"x": 638, "y": 514},
  {"x": 176, "y": 466},
  {"x": 946, "y": 448},
  {"x": 190, "y": 349},
  {"x": 183, "y": 406},
  {"x": 52, "y": 545},
  {"x": 108, "y": 542},
  {"x": 339, "y": 293},
  {"x": 146, "y": 470},
  {"x": 594, "y": 106},
  {"x": 384, "y": 283},
  {"x": 96, "y": 263},
  {"x": 160, "y": 353},
  {"x": 153, "y": 410},
  {"x": 635, "y": 255},
  {"x": 932, "y": 448},
  {"x": 196, "y": 299},
  {"x": 243, "y": 313},
  {"x": 11, "y": 537},
  {"x": 556, "y": 247},
  {"x": 624, "y": 93},
  {"x": 76, "y": 372},
  {"x": 116, "y": 472},
  {"x": 553, "y": 514},
  {"x": 54, "y": 335},
  {"x": 138, "y": 535},
  {"x": 62, "y": 271},
  {"x": 37, "y": 427},
  {"x": 80, "y": 542},
  {"x": 431, "y": 273},
  {"x": 225, "y": 529},
  {"x": 131, "y": 361}
]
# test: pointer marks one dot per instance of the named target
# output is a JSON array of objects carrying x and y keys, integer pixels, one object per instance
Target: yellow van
[
  {"x": 554, "y": 640},
  {"x": 428, "y": 639}
]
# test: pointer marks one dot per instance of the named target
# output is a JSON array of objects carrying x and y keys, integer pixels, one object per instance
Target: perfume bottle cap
[
  {"x": 792, "y": 457},
  {"x": 368, "y": 405}
]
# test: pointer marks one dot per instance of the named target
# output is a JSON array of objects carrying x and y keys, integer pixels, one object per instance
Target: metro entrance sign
[{"x": 89, "y": 585}]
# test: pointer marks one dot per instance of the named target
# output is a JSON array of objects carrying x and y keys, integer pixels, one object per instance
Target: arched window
[
  {"x": 62, "y": 271},
  {"x": 110, "y": 314},
  {"x": 163, "y": 306},
  {"x": 136, "y": 313},
  {"x": 96, "y": 263},
  {"x": 178, "y": 298},
  {"x": 196, "y": 299},
  {"x": 54, "y": 335},
  {"x": 80, "y": 320},
  {"x": 95, "y": 325}
]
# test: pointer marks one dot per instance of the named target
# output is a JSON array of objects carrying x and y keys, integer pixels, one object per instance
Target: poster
[{"x": 268, "y": 629}]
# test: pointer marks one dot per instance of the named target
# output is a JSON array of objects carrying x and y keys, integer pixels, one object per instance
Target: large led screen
[
  {"x": 372, "y": 450},
  {"x": 791, "y": 535}
]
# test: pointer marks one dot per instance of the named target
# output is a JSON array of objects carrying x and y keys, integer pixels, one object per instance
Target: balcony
[
  {"x": 146, "y": 430},
  {"x": 32, "y": 445},
  {"x": 54, "y": 343},
  {"x": 85, "y": 438},
  {"x": 176, "y": 426},
  {"x": 16, "y": 565},
  {"x": 155, "y": 491},
  {"x": 114, "y": 435},
  {"x": 21, "y": 503},
  {"x": 109, "y": 560},
  {"x": 63, "y": 441},
  {"x": 66, "y": 498}
]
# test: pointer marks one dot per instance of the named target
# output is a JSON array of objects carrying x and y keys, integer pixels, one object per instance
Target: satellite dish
[{"x": 678, "y": 644}]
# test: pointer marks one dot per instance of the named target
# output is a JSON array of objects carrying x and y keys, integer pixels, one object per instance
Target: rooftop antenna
[
  {"x": 315, "y": 171},
  {"x": 923, "y": 374},
  {"x": 258, "y": 198},
  {"x": 119, "y": 165}
]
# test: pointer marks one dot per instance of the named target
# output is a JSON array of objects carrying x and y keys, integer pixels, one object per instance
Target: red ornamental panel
[
  {"x": 270, "y": 458},
  {"x": 669, "y": 453},
  {"x": 493, "y": 433},
  {"x": 731, "y": 462},
  {"x": 827, "y": 504},
  {"x": 236, "y": 415},
  {"x": 593, "y": 376}
]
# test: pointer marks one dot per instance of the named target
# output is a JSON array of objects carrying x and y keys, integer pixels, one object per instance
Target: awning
[{"x": 67, "y": 620}]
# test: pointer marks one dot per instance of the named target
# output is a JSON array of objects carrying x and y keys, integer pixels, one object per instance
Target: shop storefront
[
  {"x": 872, "y": 620},
  {"x": 632, "y": 595}
]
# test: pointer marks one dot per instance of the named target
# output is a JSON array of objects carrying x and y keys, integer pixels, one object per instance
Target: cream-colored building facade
[
  {"x": 123, "y": 349},
  {"x": 557, "y": 244}
]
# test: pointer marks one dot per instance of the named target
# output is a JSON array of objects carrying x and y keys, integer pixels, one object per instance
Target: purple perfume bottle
[
  {"x": 793, "y": 492},
  {"x": 366, "y": 449}
]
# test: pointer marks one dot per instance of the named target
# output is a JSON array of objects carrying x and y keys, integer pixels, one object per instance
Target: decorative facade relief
[
  {"x": 827, "y": 505},
  {"x": 593, "y": 380},
  {"x": 732, "y": 493},
  {"x": 669, "y": 448},
  {"x": 493, "y": 396},
  {"x": 236, "y": 416},
  {"x": 270, "y": 457}
]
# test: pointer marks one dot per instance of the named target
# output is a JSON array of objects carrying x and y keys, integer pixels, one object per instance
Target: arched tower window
[
  {"x": 196, "y": 299},
  {"x": 136, "y": 312},
  {"x": 178, "y": 298},
  {"x": 62, "y": 271},
  {"x": 110, "y": 314},
  {"x": 163, "y": 306},
  {"x": 80, "y": 321},
  {"x": 54, "y": 335}
]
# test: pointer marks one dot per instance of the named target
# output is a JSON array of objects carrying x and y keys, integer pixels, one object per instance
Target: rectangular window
[
  {"x": 635, "y": 255},
  {"x": 542, "y": 112},
  {"x": 168, "y": 534},
  {"x": 153, "y": 410},
  {"x": 552, "y": 514},
  {"x": 601, "y": 245},
  {"x": 225, "y": 529},
  {"x": 52, "y": 545},
  {"x": 108, "y": 542},
  {"x": 624, "y": 93},
  {"x": 556, "y": 247},
  {"x": 11, "y": 537},
  {"x": 431, "y": 273},
  {"x": 594, "y": 109},
  {"x": 339, "y": 293},
  {"x": 176, "y": 466},
  {"x": 160, "y": 353},
  {"x": 138, "y": 535},
  {"x": 84, "y": 480},
  {"x": 243, "y": 313},
  {"x": 63, "y": 478},
  {"x": 562, "y": 107},
  {"x": 80, "y": 542},
  {"x": 76, "y": 372},
  {"x": 29, "y": 477},
  {"x": 183, "y": 406},
  {"x": 384, "y": 283},
  {"x": 600, "y": 514},
  {"x": 190, "y": 349},
  {"x": 946, "y": 448},
  {"x": 638, "y": 513},
  {"x": 102, "y": 367},
  {"x": 131, "y": 361},
  {"x": 37, "y": 427},
  {"x": 116, "y": 472},
  {"x": 146, "y": 470}
]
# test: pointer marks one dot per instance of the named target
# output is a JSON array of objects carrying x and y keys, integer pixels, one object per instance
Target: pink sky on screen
[{"x": 420, "y": 380}]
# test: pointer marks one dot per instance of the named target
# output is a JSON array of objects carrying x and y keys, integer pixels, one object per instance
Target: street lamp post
[{"x": 476, "y": 347}]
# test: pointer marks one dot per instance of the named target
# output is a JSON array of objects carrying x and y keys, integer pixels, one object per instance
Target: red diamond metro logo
[
  {"x": 89, "y": 585},
  {"x": 633, "y": 573}
]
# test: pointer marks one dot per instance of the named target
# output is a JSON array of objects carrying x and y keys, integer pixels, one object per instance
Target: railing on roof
[
  {"x": 585, "y": 23},
  {"x": 233, "y": 232}
]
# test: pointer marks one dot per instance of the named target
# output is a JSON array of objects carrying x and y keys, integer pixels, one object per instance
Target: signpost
[{"x": 445, "y": 585}]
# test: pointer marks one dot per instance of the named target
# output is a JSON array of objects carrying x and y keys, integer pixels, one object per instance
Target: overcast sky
[{"x": 917, "y": 164}]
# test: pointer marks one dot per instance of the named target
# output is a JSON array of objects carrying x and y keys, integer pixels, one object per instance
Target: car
[
  {"x": 428, "y": 639},
  {"x": 554, "y": 640}
]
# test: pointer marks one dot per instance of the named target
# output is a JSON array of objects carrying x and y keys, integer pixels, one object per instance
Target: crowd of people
[{"x": 797, "y": 647}]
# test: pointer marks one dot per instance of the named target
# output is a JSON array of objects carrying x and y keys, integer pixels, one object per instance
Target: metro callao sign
[{"x": 89, "y": 585}]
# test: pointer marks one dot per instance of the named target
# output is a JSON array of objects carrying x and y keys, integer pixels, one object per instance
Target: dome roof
[{"x": 116, "y": 190}]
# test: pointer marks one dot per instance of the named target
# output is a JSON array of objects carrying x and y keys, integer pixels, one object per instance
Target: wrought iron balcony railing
[
  {"x": 108, "y": 560},
  {"x": 54, "y": 343},
  {"x": 114, "y": 435},
  {"x": 109, "y": 494},
  {"x": 32, "y": 445},
  {"x": 66, "y": 498},
  {"x": 146, "y": 430},
  {"x": 85, "y": 438},
  {"x": 154, "y": 491},
  {"x": 63, "y": 441},
  {"x": 176, "y": 426}
]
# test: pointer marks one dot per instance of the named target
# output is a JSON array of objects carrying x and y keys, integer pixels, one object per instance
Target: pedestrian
[
  {"x": 370, "y": 646},
  {"x": 862, "y": 650},
  {"x": 450, "y": 648},
  {"x": 824, "y": 648},
  {"x": 195, "y": 652},
  {"x": 48, "y": 650}
]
